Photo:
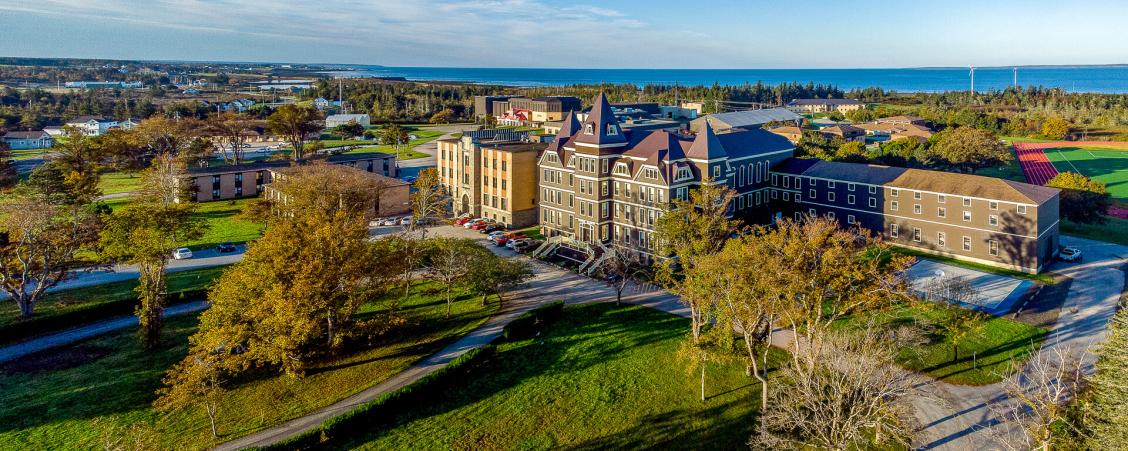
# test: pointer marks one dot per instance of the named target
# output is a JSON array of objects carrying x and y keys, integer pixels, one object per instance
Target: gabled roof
[
  {"x": 25, "y": 135},
  {"x": 747, "y": 143},
  {"x": 706, "y": 146},
  {"x": 657, "y": 146},
  {"x": 750, "y": 118},
  {"x": 601, "y": 119},
  {"x": 85, "y": 119},
  {"x": 950, "y": 183}
]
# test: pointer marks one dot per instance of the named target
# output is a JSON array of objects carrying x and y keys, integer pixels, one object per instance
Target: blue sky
[{"x": 605, "y": 34}]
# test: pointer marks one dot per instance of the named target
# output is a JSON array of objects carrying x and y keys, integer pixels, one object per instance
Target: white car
[
  {"x": 182, "y": 254},
  {"x": 1070, "y": 254},
  {"x": 405, "y": 221},
  {"x": 389, "y": 221},
  {"x": 493, "y": 236},
  {"x": 471, "y": 222}
]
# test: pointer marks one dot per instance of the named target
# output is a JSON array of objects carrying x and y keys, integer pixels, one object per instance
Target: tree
[
  {"x": 820, "y": 273},
  {"x": 39, "y": 245},
  {"x": 166, "y": 136},
  {"x": 846, "y": 394},
  {"x": 146, "y": 232},
  {"x": 622, "y": 266},
  {"x": 961, "y": 300},
  {"x": 294, "y": 123},
  {"x": 853, "y": 152},
  {"x": 394, "y": 135},
  {"x": 1107, "y": 411},
  {"x": 860, "y": 115},
  {"x": 443, "y": 117},
  {"x": 450, "y": 261},
  {"x": 430, "y": 201},
  {"x": 967, "y": 149},
  {"x": 196, "y": 381},
  {"x": 1056, "y": 128},
  {"x": 494, "y": 276},
  {"x": 327, "y": 188},
  {"x": 1038, "y": 401},
  {"x": 79, "y": 162},
  {"x": 1083, "y": 199},
  {"x": 8, "y": 175},
  {"x": 688, "y": 231},
  {"x": 122, "y": 149},
  {"x": 352, "y": 128},
  {"x": 231, "y": 129}
]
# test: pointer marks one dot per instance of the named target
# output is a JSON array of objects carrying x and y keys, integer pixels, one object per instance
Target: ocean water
[{"x": 1103, "y": 79}]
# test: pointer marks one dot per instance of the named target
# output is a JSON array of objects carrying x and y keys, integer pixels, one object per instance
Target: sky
[{"x": 748, "y": 34}]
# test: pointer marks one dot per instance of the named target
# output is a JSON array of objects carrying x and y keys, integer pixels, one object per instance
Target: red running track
[{"x": 1034, "y": 163}]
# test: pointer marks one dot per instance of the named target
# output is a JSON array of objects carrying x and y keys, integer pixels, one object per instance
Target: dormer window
[
  {"x": 684, "y": 173},
  {"x": 621, "y": 169},
  {"x": 588, "y": 129},
  {"x": 612, "y": 130}
]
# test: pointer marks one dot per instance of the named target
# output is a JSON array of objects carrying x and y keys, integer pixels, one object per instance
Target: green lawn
[
  {"x": 223, "y": 225},
  {"x": 28, "y": 154},
  {"x": 83, "y": 406},
  {"x": 119, "y": 182},
  {"x": 331, "y": 143},
  {"x": 1009, "y": 171},
  {"x": 533, "y": 232},
  {"x": 985, "y": 357},
  {"x": 601, "y": 377},
  {"x": 1103, "y": 164},
  {"x": 93, "y": 303},
  {"x": 1115, "y": 230}
]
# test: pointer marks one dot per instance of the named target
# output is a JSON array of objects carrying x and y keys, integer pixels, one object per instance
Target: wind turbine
[{"x": 972, "y": 79}]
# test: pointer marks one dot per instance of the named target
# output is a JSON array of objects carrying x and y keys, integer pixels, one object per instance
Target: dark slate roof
[
  {"x": 84, "y": 119},
  {"x": 25, "y": 135},
  {"x": 600, "y": 118},
  {"x": 226, "y": 169},
  {"x": 920, "y": 180},
  {"x": 706, "y": 146},
  {"x": 359, "y": 156},
  {"x": 746, "y": 143}
]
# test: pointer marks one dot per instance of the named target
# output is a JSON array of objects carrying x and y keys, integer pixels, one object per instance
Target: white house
[
  {"x": 129, "y": 124},
  {"x": 38, "y": 139},
  {"x": 54, "y": 130},
  {"x": 92, "y": 125},
  {"x": 342, "y": 119}
]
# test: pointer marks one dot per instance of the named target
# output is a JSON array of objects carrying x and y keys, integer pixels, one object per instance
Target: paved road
[{"x": 91, "y": 330}]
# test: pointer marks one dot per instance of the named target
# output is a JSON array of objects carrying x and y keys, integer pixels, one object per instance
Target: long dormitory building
[{"x": 599, "y": 183}]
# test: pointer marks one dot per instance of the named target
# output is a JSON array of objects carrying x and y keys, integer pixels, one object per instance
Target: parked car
[
  {"x": 492, "y": 228},
  {"x": 495, "y": 235},
  {"x": 182, "y": 254},
  {"x": 502, "y": 240},
  {"x": 1070, "y": 254},
  {"x": 481, "y": 225},
  {"x": 405, "y": 221},
  {"x": 470, "y": 224},
  {"x": 462, "y": 220},
  {"x": 225, "y": 247}
]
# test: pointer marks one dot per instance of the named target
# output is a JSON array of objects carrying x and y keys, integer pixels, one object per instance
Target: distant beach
[{"x": 1098, "y": 79}]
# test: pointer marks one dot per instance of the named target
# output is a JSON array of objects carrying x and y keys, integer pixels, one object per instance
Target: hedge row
[
  {"x": 40, "y": 325},
  {"x": 383, "y": 409}
]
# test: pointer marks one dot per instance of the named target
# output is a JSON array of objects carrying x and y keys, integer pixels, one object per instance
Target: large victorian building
[{"x": 600, "y": 184}]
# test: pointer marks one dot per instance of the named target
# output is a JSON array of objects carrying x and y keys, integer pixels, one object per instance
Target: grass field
[
  {"x": 119, "y": 182},
  {"x": 104, "y": 389},
  {"x": 28, "y": 154},
  {"x": 601, "y": 377},
  {"x": 223, "y": 225},
  {"x": 72, "y": 301},
  {"x": 1115, "y": 230},
  {"x": 1105, "y": 164},
  {"x": 985, "y": 357}
]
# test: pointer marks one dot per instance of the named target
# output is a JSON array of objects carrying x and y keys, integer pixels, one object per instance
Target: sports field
[{"x": 1104, "y": 162}]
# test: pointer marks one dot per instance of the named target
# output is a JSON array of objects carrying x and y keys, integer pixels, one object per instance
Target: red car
[
  {"x": 462, "y": 220},
  {"x": 501, "y": 240},
  {"x": 480, "y": 225}
]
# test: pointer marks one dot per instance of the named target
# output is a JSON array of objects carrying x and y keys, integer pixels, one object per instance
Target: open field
[
  {"x": 985, "y": 357},
  {"x": 1105, "y": 164},
  {"x": 80, "y": 397},
  {"x": 601, "y": 377},
  {"x": 1115, "y": 230},
  {"x": 119, "y": 182}
]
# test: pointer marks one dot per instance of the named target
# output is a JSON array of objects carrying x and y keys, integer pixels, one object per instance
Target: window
[
  {"x": 1021, "y": 209},
  {"x": 621, "y": 169},
  {"x": 850, "y": 187},
  {"x": 967, "y": 243},
  {"x": 993, "y": 220},
  {"x": 605, "y": 188},
  {"x": 873, "y": 190},
  {"x": 503, "y": 165},
  {"x": 797, "y": 199},
  {"x": 967, "y": 216},
  {"x": 786, "y": 195},
  {"x": 873, "y": 202},
  {"x": 916, "y": 195},
  {"x": 850, "y": 219},
  {"x": 588, "y": 130},
  {"x": 941, "y": 212},
  {"x": 603, "y": 209},
  {"x": 775, "y": 194},
  {"x": 786, "y": 182},
  {"x": 893, "y": 206},
  {"x": 893, "y": 230},
  {"x": 612, "y": 130},
  {"x": 717, "y": 171},
  {"x": 812, "y": 194},
  {"x": 850, "y": 199},
  {"x": 811, "y": 211},
  {"x": 916, "y": 209},
  {"x": 502, "y": 183},
  {"x": 798, "y": 217},
  {"x": 830, "y": 215},
  {"x": 775, "y": 180},
  {"x": 994, "y": 205},
  {"x": 830, "y": 184},
  {"x": 941, "y": 239},
  {"x": 967, "y": 202},
  {"x": 740, "y": 202},
  {"x": 605, "y": 162},
  {"x": 740, "y": 176},
  {"x": 894, "y": 192},
  {"x": 215, "y": 194},
  {"x": 618, "y": 188},
  {"x": 916, "y": 234},
  {"x": 993, "y": 247},
  {"x": 940, "y": 198},
  {"x": 830, "y": 196}
]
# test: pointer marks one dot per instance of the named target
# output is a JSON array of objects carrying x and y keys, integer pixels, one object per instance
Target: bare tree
[
  {"x": 1038, "y": 400},
  {"x": 231, "y": 130},
  {"x": 845, "y": 394},
  {"x": 963, "y": 318},
  {"x": 451, "y": 260},
  {"x": 622, "y": 266}
]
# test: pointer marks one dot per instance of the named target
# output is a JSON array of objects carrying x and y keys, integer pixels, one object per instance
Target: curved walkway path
[{"x": 91, "y": 330}]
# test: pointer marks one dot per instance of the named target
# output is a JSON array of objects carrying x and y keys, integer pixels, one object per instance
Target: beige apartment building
[
  {"x": 226, "y": 182},
  {"x": 491, "y": 174}
]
